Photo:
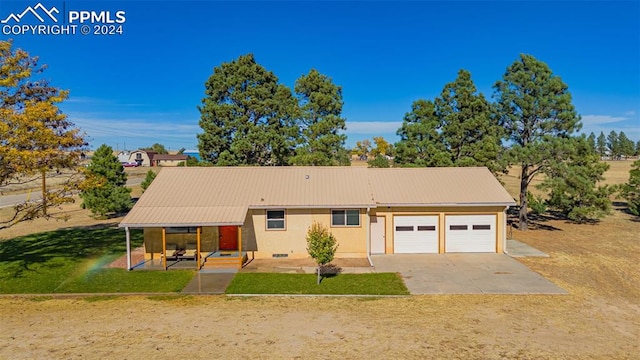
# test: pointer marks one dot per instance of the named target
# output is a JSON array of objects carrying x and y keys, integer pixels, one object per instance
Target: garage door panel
[
  {"x": 415, "y": 234},
  {"x": 470, "y": 233}
]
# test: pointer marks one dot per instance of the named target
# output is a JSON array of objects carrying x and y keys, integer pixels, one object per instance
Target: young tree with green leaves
[
  {"x": 631, "y": 190},
  {"x": 535, "y": 108},
  {"x": 104, "y": 191},
  {"x": 148, "y": 180},
  {"x": 35, "y": 136},
  {"x": 379, "y": 161},
  {"x": 322, "y": 135},
  {"x": 321, "y": 245},
  {"x": 247, "y": 116},
  {"x": 420, "y": 141}
]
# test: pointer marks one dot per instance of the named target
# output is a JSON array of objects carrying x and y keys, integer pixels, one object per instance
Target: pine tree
[
  {"x": 625, "y": 145},
  {"x": 322, "y": 125},
  {"x": 573, "y": 180},
  {"x": 631, "y": 190},
  {"x": 420, "y": 141},
  {"x": 536, "y": 111},
  {"x": 613, "y": 145},
  {"x": 148, "y": 180},
  {"x": 592, "y": 142},
  {"x": 601, "y": 145},
  {"x": 104, "y": 192},
  {"x": 248, "y": 117}
]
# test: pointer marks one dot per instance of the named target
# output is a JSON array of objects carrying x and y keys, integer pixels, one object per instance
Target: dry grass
[
  {"x": 599, "y": 319},
  {"x": 618, "y": 173}
]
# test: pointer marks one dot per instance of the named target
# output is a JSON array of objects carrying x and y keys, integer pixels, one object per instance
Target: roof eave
[
  {"x": 142, "y": 225},
  {"x": 475, "y": 204}
]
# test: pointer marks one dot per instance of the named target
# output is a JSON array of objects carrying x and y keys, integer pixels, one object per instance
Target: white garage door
[
  {"x": 415, "y": 234},
  {"x": 470, "y": 233}
]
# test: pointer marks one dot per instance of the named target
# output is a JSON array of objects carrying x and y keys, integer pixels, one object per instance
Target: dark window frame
[
  {"x": 334, "y": 212},
  {"x": 283, "y": 220}
]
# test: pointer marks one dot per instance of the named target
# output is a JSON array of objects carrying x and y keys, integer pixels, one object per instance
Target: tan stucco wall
[
  {"x": 352, "y": 241},
  {"x": 441, "y": 212},
  {"x": 153, "y": 241}
]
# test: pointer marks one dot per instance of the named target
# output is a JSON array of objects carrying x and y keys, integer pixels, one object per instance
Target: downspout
[
  {"x": 369, "y": 237},
  {"x": 504, "y": 229},
  {"x": 126, "y": 231}
]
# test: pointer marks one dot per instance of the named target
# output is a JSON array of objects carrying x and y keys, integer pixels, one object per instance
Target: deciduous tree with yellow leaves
[{"x": 35, "y": 136}]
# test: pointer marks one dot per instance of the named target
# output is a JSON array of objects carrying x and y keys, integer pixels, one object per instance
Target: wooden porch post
[
  {"x": 198, "y": 231},
  {"x": 126, "y": 231},
  {"x": 240, "y": 244},
  {"x": 164, "y": 248}
]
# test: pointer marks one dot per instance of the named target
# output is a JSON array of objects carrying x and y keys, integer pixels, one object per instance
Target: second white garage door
[
  {"x": 470, "y": 233},
  {"x": 415, "y": 234}
]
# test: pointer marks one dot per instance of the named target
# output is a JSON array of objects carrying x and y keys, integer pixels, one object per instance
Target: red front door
[{"x": 228, "y": 237}]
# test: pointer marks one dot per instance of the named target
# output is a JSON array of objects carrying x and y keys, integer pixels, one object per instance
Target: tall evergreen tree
[
  {"x": 626, "y": 146},
  {"x": 471, "y": 136},
  {"x": 322, "y": 126},
  {"x": 420, "y": 141},
  {"x": 536, "y": 111},
  {"x": 248, "y": 118},
  {"x": 591, "y": 140},
  {"x": 613, "y": 145},
  {"x": 104, "y": 192},
  {"x": 601, "y": 145},
  {"x": 637, "y": 148}
]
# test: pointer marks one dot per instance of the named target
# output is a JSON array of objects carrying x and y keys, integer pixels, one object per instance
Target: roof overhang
[{"x": 475, "y": 204}]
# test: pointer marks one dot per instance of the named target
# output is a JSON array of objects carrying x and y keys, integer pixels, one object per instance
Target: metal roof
[{"x": 222, "y": 195}]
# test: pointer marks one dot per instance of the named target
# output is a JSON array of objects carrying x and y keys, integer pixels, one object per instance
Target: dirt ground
[{"x": 599, "y": 319}]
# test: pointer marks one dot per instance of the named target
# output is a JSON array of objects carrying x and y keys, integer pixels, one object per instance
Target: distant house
[
  {"x": 216, "y": 215},
  {"x": 142, "y": 157},
  {"x": 168, "y": 159},
  {"x": 123, "y": 156}
]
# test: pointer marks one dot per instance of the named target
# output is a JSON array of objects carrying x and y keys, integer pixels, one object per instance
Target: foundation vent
[{"x": 279, "y": 255}]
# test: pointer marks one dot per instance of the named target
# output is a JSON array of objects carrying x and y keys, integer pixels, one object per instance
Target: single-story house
[
  {"x": 211, "y": 213},
  {"x": 169, "y": 159},
  {"x": 123, "y": 156}
]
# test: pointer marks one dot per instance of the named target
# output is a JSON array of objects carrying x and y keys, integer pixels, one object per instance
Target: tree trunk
[
  {"x": 524, "y": 183},
  {"x": 44, "y": 193},
  {"x": 318, "y": 275}
]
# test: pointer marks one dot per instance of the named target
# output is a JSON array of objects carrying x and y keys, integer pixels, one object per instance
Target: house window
[
  {"x": 345, "y": 217},
  {"x": 138, "y": 156},
  {"x": 458, "y": 227},
  {"x": 481, "y": 227},
  {"x": 181, "y": 230},
  {"x": 275, "y": 220}
]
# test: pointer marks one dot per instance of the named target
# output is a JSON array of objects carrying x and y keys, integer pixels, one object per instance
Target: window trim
[
  {"x": 345, "y": 218},
  {"x": 284, "y": 220}
]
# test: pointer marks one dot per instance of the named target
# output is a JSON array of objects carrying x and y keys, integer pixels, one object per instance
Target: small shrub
[{"x": 536, "y": 204}]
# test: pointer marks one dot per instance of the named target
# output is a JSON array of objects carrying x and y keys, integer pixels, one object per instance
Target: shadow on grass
[{"x": 68, "y": 245}]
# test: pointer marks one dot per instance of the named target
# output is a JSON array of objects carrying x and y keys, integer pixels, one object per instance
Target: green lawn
[
  {"x": 343, "y": 284},
  {"x": 72, "y": 260}
]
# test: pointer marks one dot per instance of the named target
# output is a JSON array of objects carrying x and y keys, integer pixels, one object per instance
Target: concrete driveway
[{"x": 464, "y": 274}]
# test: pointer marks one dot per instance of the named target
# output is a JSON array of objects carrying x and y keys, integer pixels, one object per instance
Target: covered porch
[{"x": 189, "y": 247}]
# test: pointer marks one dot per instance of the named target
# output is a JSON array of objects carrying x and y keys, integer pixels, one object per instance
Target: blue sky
[{"x": 144, "y": 85}]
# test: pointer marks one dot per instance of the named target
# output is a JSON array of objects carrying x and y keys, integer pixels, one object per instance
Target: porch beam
[
  {"x": 164, "y": 248},
  {"x": 128, "y": 237},
  {"x": 240, "y": 244},
  {"x": 198, "y": 231}
]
